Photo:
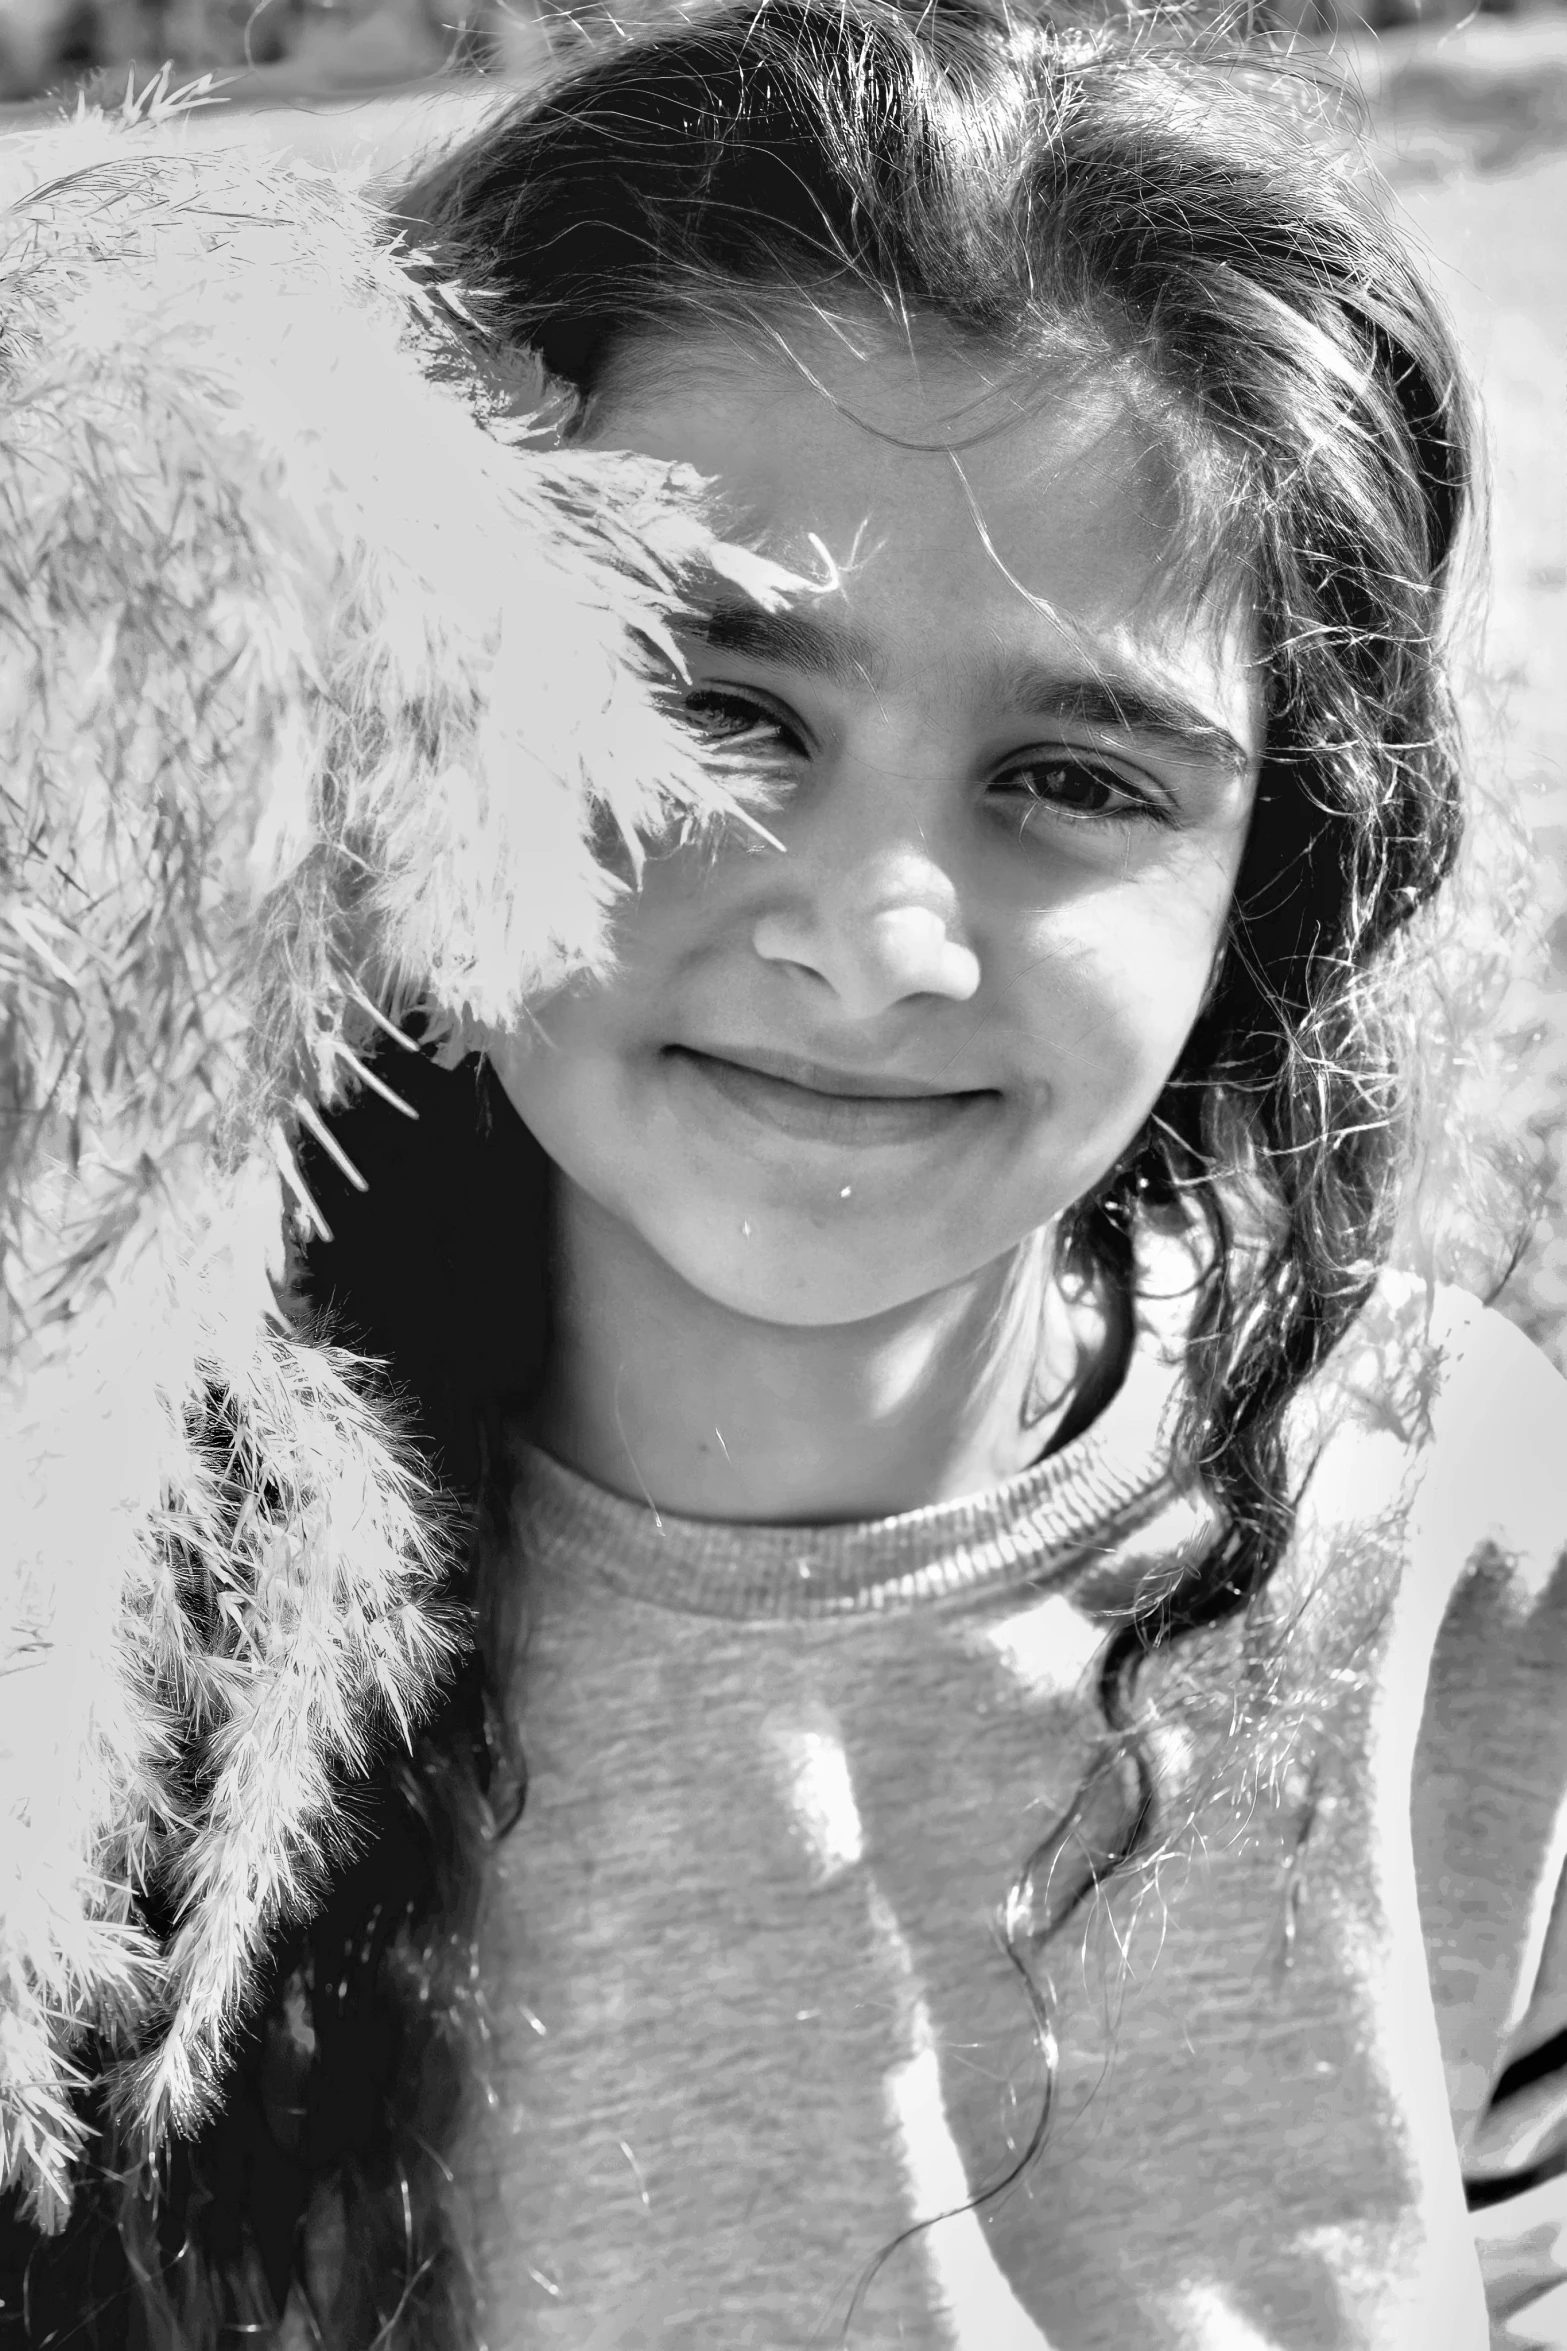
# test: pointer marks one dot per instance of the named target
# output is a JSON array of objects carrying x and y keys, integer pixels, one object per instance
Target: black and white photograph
[{"x": 783, "y": 1175}]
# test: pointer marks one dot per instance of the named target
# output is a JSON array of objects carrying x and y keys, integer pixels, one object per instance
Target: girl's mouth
[{"x": 845, "y": 1119}]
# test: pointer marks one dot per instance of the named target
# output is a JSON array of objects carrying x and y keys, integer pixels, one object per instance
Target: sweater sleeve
[
  {"x": 1490, "y": 1818},
  {"x": 1517, "y": 2166}
]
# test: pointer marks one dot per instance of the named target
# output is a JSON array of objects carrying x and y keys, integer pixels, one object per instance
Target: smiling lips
[{"x": 807, "y": 1100}]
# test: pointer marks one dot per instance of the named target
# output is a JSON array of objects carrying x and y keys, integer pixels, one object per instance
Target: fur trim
[{"x": 315, "y": 683}]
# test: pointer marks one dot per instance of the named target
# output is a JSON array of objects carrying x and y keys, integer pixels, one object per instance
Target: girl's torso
[{"x": 753, "y": 2016}]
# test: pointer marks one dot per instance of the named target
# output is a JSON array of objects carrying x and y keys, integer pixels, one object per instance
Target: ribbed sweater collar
[{"x": 1077, "y": 1503}]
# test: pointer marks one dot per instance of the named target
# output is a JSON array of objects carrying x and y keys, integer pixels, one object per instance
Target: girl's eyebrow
[
  {"x": 839, "y": 651},
  {"x": 1122, "y": 702},
  {"x": 1113, "y": 696}
]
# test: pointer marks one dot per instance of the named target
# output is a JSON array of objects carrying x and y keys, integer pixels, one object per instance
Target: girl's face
[{"x": 1017, "y": 777}]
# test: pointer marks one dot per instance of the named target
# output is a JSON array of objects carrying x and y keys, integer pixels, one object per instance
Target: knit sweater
[{"x": 753, "y": 2016}]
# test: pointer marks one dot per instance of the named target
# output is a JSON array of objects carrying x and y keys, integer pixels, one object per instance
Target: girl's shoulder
[
  {"x": 1454, "y": 1412},
  {"x": 1485, "y": 1585},
  {"x": 1430, "y": 1556},
  {"x": 1446, "y": 1426},
  {"x": 1432, "y": 1482},
  {"x": 1432, "y": 1545}
]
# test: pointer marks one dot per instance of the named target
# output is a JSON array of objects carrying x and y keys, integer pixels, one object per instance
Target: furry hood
[{"x": 318, "y": 679}]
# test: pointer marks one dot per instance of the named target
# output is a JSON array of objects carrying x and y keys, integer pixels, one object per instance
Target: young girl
[{"x": 1009, "y": 1783}]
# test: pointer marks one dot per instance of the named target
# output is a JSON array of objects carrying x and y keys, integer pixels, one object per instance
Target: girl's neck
[{"x": 663, "y": 1395}]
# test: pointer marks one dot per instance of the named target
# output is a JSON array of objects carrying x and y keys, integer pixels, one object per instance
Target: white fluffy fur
[{"x": 312, "y": 684}]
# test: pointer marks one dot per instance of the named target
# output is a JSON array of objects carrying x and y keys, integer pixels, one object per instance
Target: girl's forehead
[
  {"x": 852, "y": 398},
  {"x": 971, "y": 506}
]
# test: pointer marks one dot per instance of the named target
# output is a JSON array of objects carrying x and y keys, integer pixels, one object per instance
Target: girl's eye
[
  {"x": 1068, "y": 784},
  {"x": 730, "y": 718},
  {"x": 1080, "y": 789}
]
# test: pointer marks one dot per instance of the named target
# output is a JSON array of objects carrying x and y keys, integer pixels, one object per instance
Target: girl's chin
[{"x": 794, "y": 1270}]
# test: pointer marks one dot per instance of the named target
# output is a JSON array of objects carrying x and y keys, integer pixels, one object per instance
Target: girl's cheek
[{"x": 1134, "y": 963}]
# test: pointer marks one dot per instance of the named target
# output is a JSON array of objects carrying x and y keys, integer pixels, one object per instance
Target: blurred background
[
  {"x": 1463, "y": 110},
  {"x": 334, "y": 44}
]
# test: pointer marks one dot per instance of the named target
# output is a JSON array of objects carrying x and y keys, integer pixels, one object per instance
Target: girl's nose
[{"x": 875, "y": 936}]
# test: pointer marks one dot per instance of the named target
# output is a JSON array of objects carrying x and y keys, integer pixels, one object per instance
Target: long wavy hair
[{"x": 1092, "y": 198}]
